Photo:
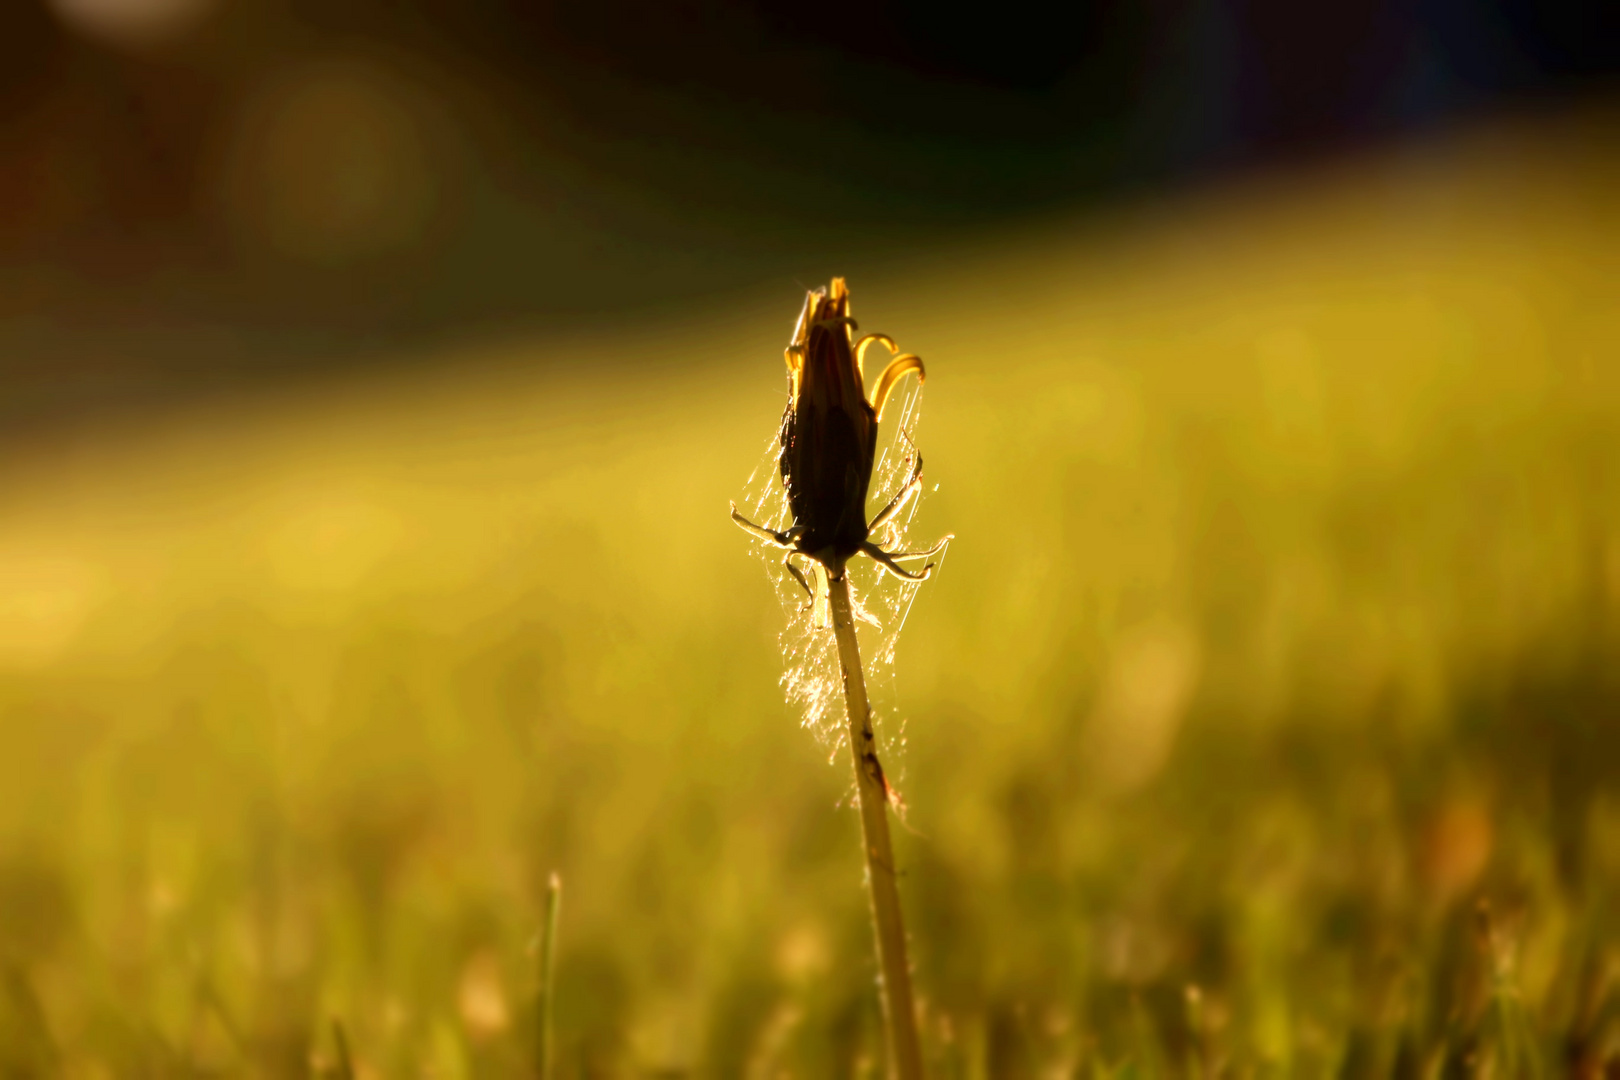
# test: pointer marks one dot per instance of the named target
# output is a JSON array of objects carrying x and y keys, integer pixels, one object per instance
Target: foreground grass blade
[
  {"x": 545, "y": 1039},
  {"x": 345, "y": 1062}
]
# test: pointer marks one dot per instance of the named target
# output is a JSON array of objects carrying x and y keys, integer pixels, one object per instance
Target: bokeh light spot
[
  {"x": 44, "y": 600},
  {"x": 330, "y": 164},
  {"x": 1149, "y": 684},
  {"x": 131, "y": 23}
]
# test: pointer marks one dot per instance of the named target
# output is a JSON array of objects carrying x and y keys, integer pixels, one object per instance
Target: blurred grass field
[{"x": 1262, "y": 722}]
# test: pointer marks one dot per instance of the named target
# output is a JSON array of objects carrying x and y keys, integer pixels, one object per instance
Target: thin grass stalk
[
  {"x": 345, "y": 1061},
  {"x": 545, "y": 1038},
  {"x": 905, "y": 1053}
]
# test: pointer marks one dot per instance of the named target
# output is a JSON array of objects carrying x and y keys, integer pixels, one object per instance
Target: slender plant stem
[
  {"x": 905, "y": 1053},
  {"x": 544, "y": 1047},
  {"x": 345, "y": 1063}
]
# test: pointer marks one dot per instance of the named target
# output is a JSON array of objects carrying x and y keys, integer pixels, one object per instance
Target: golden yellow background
[{"x": 1279, "y": 626}]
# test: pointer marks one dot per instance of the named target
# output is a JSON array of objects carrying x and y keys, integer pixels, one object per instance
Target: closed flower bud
[
  {"x": 829, "y": 432},
  {"x": 829, "y": 440}
]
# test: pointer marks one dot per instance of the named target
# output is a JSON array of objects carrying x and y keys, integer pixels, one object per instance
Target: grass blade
[{"x": 544, "y": 1047}]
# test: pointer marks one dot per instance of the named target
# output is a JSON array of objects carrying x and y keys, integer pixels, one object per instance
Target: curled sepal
[
  {"x": 898, "y": 369},
  {"x": 866, "y": 342}
]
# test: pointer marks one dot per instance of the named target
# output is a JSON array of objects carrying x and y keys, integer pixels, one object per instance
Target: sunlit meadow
[{"x": 1262, "y": 722}]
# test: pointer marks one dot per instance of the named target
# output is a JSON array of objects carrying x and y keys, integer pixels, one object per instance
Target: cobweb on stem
[{"x": 811, "y": 680}]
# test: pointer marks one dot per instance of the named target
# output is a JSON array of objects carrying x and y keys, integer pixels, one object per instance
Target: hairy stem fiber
[{"x": 905, "y": 1053}]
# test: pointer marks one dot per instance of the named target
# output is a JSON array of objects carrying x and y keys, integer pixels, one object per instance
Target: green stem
[{"x": 905, "y": 1053}]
